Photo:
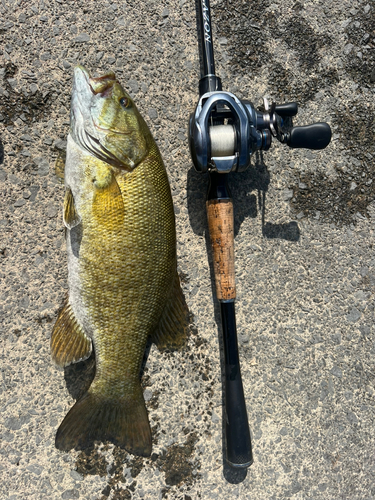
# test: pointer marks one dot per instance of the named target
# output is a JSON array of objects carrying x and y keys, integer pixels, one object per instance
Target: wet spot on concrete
[
  {"x": 244, "y": 27},
  {"x": 249, "y": 24},
  {"x": 338, "y": 198},
  {"x": 15, "y": 105},
  {"x": 359, "y": 50},
  {"x": 153, "y": 402},
  {"x": 121, "y": 494},
  {"x": 176, "y": 463},
  {"x": 351, "y": 191},
  {"x": 184, "y": 278},
  {"x": 331, "y": 200},
  {"x": 356, "y": 124},
  {"x": 91, "y": 462},
  {"x": 121, "y": 460},
  {"x": 302, "y": 39},
  {"x": 135, "y": 464},
  {"x": 302, "y": 87}
]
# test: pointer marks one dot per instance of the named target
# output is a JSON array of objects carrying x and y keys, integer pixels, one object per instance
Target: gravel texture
[{"x": 304, "y": 251}]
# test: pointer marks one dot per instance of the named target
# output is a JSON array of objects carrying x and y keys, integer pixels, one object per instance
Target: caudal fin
[{"x": 95, "y": 418}]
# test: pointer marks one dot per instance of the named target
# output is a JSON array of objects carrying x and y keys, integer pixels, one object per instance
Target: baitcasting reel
[{"x": 225, "y": 131}]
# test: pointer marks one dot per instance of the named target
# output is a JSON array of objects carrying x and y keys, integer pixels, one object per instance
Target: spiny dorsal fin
[
  {"x": 172, "y": 327},
  {"x": 69, "y": 344},
  {"x": 71, "y": 217}
]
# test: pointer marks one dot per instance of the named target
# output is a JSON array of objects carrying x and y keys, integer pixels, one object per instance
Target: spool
[{"x": 223, "y": 140}]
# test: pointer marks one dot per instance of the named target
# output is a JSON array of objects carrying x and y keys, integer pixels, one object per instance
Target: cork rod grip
[{"x": 221, "y": 227}]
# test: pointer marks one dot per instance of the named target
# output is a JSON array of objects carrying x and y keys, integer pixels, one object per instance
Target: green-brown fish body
[{"x": 121, "y": 245}]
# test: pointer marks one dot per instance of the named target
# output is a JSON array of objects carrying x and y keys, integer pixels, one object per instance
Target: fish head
[{"x": 105, "y": 121}]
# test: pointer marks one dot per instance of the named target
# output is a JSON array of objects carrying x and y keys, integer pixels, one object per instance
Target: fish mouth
[
  {"x": 98, "y": 85},
  {"x": 102, "y": 84}
]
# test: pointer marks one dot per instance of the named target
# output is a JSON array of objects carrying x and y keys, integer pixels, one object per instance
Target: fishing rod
[{"x": 224, "y": 132}]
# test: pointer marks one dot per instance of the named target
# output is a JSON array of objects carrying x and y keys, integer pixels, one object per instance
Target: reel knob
[{"x": 316, "y": 136}]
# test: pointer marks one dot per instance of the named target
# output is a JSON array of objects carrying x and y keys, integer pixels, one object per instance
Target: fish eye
[{"x": 124, "y": 101}]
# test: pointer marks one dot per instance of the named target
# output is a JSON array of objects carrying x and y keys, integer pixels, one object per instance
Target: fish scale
[
  {"x": 135, "y": 238},
  {"x": 122, "y": 266}
]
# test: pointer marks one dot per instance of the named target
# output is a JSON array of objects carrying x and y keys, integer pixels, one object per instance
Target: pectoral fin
[
  {"x": 108, "y": 206},
  {"x": 71, "y": 217},
  {"x": 69, "y": 344},
  {"x": 172, "y": 327}
]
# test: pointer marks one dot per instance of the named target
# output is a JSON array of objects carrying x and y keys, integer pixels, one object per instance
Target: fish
[{"x": 124, "y": 289}]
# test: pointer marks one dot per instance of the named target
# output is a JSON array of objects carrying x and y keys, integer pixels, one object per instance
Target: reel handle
[
  {"x": 316, "y": 136},
  {"x": 287, "y": 109}
]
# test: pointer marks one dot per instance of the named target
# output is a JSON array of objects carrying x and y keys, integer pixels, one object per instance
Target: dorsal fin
[
  {"x": 172, "y": 327},
  {"x": 69, "y": 344}
]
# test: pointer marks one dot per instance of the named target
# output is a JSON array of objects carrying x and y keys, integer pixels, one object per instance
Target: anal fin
[
  {"x": 172, "y": 327},
  {"x": 69, "y": 343}
]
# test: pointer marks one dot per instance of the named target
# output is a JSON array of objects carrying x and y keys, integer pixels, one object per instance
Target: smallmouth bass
[{"x": 122, "y": 265}]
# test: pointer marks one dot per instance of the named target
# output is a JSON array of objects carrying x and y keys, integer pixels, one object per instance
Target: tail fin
[{"x": 95, "y": 418}]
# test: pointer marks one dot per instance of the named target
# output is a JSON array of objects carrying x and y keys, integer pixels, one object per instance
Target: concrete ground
[{"x": 304, "y": 251}]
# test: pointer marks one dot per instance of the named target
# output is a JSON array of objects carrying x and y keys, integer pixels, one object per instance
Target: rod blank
[
  {"x": 238, "y": 442},
  {"x": 221, "y": 226}
]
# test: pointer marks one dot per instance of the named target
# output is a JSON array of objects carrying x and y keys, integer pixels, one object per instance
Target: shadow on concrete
[{"x": 248, "y": 190}]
